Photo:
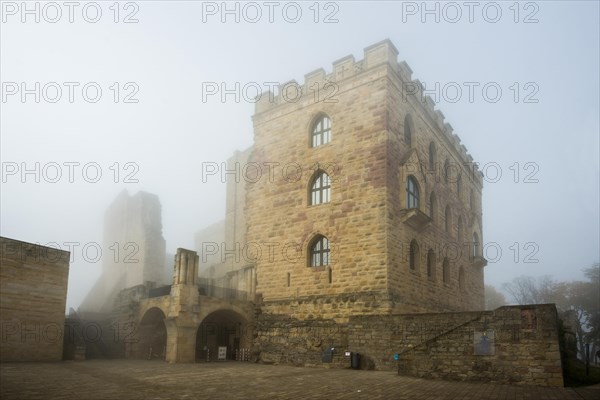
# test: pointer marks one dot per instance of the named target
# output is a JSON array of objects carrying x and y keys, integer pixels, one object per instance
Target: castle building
[
  {"x": 367, "y": 202},
  {"x": 353, "y": 226}
]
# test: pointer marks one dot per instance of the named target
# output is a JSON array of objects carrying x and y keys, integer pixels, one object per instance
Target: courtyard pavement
[{"x": 138, "y": 379}]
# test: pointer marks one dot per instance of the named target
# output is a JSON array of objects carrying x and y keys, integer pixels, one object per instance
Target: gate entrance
[
  {"x": 223, "y": 329},
  {"x": 152, "y": 336}
]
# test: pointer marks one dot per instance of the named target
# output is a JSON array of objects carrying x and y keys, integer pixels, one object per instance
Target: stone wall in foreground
[
  {"x": 33, "y": 293},
  {"x": 513, "y": 344}
]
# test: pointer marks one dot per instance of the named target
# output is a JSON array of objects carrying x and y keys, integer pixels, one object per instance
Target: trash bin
[{"x": 355, "y": 361}]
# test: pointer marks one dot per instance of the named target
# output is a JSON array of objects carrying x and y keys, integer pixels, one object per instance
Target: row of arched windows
[
  {"x": 414, "y": 265},
  {"x": 413, "y": 201},
  {"x": 451, "y": 171}
]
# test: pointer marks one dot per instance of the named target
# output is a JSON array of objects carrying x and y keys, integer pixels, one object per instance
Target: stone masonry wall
[
  {"x": 371, "y": 104},
  {"x": 520, "y": 344},
  {"x": 33, "y": 293},
  {"x": 283, "y": 340},
  {"x": 280, "y": 221},
  {"x": 448, "y": 235}
]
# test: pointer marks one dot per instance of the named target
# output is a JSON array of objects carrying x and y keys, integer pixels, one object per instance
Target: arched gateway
[{"x": 182, "y": 325}]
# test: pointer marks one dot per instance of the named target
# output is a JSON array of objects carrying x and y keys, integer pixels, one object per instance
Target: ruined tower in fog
[
  {"x": 386, "y": 213},
  {"x": 133, "y": 249}
]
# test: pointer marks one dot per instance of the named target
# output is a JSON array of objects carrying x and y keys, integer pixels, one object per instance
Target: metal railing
[
  {"x": 159, "y": 291},
  {"x": 206, "y": 289}
]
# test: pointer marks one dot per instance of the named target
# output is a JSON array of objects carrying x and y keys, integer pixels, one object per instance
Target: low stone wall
[
  {"x": 513, "y": 344},
  {"x": 516, "y": 344},
  {"x": 284, "y": 340}
]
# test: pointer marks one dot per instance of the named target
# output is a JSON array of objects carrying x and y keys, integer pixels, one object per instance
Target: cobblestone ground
[{"x": 128, "y": 379}]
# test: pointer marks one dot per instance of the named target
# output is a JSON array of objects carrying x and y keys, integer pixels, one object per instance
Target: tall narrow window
[
  {"x": 476, "y": 245},
  {"x": 459, "y": 185},
  {"x": 448, "y": 219},
  {"x": 412, "y": 193},
  {"x": 447, "y": 171},
  {"x": 431, "y": 264},
  {"x": 319, "y": 252},
  {"x": 432, "y": 159},
  {"x": 459, "y": 226},
  {"x": 321, "y": 131},
  {"x": 413, "y": 255},
  {"x": 446, "y": 270},
  {"x": 408, "y": 130},
  {"x": 320, "y": 188},
  {"x": 433, "y": 207}
]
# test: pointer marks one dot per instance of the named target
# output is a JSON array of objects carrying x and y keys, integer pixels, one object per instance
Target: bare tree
[
  {"x": 528, "y": 290},
  {"x": 578, "y": 302}
]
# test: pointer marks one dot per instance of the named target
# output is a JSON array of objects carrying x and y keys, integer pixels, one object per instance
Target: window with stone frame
[
  {"x": 446, "y": 270},
  {"x": 431, "y": 264},
  {"x": 319, "y": 252},
  {"x": 320, "y": 188},
  {"x": 408, "y": 130},
  {"x": 432, "y": 156},
  {"x": 412, "y": 193},
  {"x": 433, "y": 207},
  {"x": 446, "y": 171},
  {"x": 476, "y": 245},
  {"x": 321, "y": 131},
  {"x": 414, "y": 255}
]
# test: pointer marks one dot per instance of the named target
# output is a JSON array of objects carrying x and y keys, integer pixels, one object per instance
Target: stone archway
[
  {"x": 152, "y": 335},
  {"x": 222, "y": 328}
]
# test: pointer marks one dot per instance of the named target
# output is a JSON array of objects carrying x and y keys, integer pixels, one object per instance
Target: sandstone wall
[
  {"x": 449, "y": 236},
  {"x": 368, "y": 222},
  {"x": 33, "y": 293},
  {"x": 521, "y": 344},
  {"x": 280, "y": 221}
]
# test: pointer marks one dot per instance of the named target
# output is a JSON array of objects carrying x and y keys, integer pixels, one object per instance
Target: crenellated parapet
[{"x": 376, "y": 55}]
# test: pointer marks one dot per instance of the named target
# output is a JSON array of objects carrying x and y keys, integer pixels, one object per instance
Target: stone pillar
[
  {"x": 181, "y": 342},
  {"x": 185, "y": 270}
]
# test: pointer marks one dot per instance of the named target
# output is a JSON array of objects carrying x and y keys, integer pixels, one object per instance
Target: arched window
[
  {"x": 433, "y": 207},
  {"x": 446, "y": 270},
  {"x": 476, "y": 245},
  {"x": 448, "y": 219},
  {"x": 431, "y": 264},
  {"x": 446, "y": 170},
  {"x": 432, "y": 160},
  {"x": 459, "y": 226},
  {"x": 319, "y": 251},
  {"x": 320, "y": 188},
  {"x": 408, "y": 130},
  {"x": 412, "y": 193},
  {"x": 414, "y": 255},
  {"x": 321, "y": 131}
]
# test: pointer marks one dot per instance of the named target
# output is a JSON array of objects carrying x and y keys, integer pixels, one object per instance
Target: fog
[{"x": 531, "y": 120}]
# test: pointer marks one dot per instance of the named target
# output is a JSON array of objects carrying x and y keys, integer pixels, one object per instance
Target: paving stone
[{"x": 140, "y": 379}]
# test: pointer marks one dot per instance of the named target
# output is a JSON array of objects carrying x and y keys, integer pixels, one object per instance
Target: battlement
[{"x": 375, "y": 55}]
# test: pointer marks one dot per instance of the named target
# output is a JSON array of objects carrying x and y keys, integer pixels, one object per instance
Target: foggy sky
[{"x": 545, "y": 124}]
